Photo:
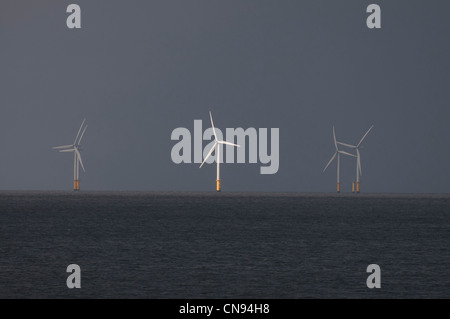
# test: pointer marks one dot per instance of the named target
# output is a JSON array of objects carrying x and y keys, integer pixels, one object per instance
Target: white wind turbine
[
  {"x": 75, "y": 148},
  {"x": 358, "y": 159},
  {"x": 216, "y": 144},
  {"x": 337, "y": 154}
]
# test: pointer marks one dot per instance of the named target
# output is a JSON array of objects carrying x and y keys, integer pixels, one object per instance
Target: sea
[{"x": 183, "y": 245}]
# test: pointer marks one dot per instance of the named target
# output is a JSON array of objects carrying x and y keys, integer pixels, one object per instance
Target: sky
[{"x": 137, "y": 70}]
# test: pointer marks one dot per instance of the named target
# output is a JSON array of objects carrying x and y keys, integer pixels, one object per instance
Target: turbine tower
[
  {"x": 216, "y": 144},
  {"x": 358, "y": 160},
  {"x": 77, "y": 161},
  {"x": 337, "y": 154}
]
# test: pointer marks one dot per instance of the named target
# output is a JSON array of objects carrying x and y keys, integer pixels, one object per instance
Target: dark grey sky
[{"x": 139, "y": 69}]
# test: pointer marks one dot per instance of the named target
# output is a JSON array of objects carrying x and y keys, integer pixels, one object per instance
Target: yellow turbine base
[
  {"x": 338, "y": 187},
  {"x": 353, "y": 187},
  {"x": 357, "y": 187},
  {"x": 76, "y": 185},
  {"x": 218, "y": 185}
]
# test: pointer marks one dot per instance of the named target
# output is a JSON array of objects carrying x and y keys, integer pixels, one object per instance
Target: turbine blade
[
  {"x": 80, "y": 160},
  {"x": 359, "y": 162},
  {"x": 61, "y": 147},
  {"x": 345, "y": 153},
  {"x": 212, "y": 123},
  {"x": 82, "y": 134},
  {"x": 364, "y": 136},
  {"x": 334, "y": 137},
  {"x": 65, "y": 151},
  {"x": 228, "y": 143},
  {"x": 348, "y": 145},
  {"x": 331, "y": 160},
  {"x": 209, "y": 154},
  {"x": 79, "y": 131}
]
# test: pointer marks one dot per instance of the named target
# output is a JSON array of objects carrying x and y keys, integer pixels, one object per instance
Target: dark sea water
[{"x": 227, "y": 245}]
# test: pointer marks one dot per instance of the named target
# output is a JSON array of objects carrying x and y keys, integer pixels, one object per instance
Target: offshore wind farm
[{"x": 322, "y": 119}]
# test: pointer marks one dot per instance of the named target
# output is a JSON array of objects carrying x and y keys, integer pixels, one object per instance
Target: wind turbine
[
  {"x": 217, "y": 143},
  {"x": 338, "y": 154},
  {"x": 75, "y": 148},
  {"x": 358, "y": 160}
]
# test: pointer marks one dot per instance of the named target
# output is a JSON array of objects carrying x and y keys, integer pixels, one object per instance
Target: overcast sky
[{"x": 139, "y": 69}]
